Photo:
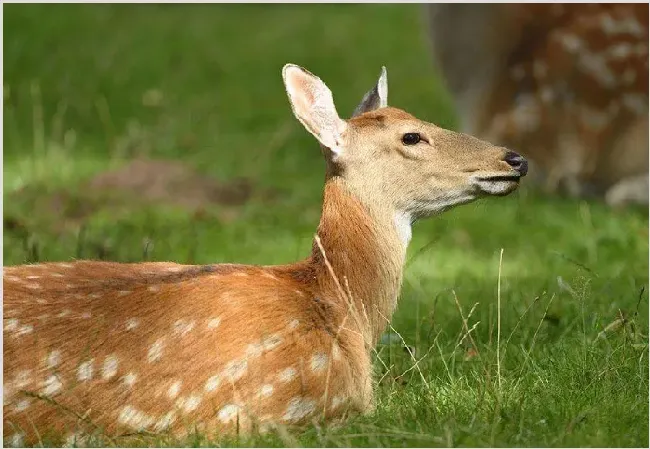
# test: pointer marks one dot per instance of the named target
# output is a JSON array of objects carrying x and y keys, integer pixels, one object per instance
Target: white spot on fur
[
  {"x": 86, "y": 315},
  {"x": 34, "y": 286},
  {"x": 570, "y": 42},
  {"x": 165, "y": 421},
  {"x": 11, "y": 325},
  {"x": 337, "y": 401},
  {"x": 32, "y": 277},
  {"x": 182, "y": 327},
  {"x": 124, "y": 292},
  {"x": 52, "y": 385},
  {"x": 254, "y": 350},
  {"x": 287, "y": 374},
  {"x": 64, "y": 265},
  {"x": 228, "y": 413},
  {"x": 23, "y": 330},
  {"x": 154, "y": 288},
  {"x": 17, "y": 440},
  {"x": 621, "y": 26},
  {"x": 620, "y": 51},
  {"x": 132, "y": 323},
  {"x": 85, "y": 371},
  {"x": 95, "y": 295},
  {"x": 235, "y": 369},
  {"x": 129, "y": 380},
  {"x": 540, "y": 69},
  {"x": 596, "y": 65},
  {"x": 22, "y": 405},
  {"x": 636, "y": 102},
  {"x": 214, "y": 323},
  {"x": 110, "y": 367},
  {"x": 293, "y": 324},
  {"x": 318, "y": 362},
  {"x": 53, "y": 359},
  {"x": 174, "y": 389},
  {"x": 547, "y": 94},
  {"x": 240, "y": 274},
  {"x": 156, "y": 351},
  {"x": 134, "y": 418},
  {"x": 63, "y": 313},
  {"x": 271, "y": 342},
  {"x": 299, "y": 408},
  {"x": 56, "y": 275},
  {"x": 266, "y": 391},
  {"x": 191, "y": 403},
  {"x": 23, "y": 378},
  {"x": 266, "y": 274},
  {"x": 212, "y": 383}
]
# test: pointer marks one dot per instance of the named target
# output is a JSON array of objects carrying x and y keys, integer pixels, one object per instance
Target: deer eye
[{"x": 411, "y": 138}]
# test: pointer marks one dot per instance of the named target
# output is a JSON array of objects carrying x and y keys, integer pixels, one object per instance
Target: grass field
[{"x": 88, "y": 88}]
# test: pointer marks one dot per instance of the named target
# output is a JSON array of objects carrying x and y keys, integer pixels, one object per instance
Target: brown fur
[
  {"x": 567, "y": 85},
  {"x": 150, "y": 330}
]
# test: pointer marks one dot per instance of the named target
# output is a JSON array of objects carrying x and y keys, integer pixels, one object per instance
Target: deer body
[
  {"x": 569, "y": 83},
  {"x": 161, "y": 347}
]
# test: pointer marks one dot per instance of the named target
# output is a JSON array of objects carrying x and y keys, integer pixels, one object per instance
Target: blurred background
[{"x": 163, "y": 132}]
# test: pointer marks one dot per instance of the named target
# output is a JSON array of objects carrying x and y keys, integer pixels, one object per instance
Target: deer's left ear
[{"x": 375, "y": 98}]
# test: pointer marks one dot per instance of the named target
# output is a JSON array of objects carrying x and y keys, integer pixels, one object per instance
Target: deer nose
[{"x": 516, "y": 161}]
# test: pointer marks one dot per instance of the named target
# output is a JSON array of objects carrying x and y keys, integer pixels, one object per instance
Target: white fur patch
[
  {"x": 403, "y": 225},
  {"x": 135, "y": 418},
  {"x": 110, "y": 367},
  {"x": 85, "y": 371},
  {"x": 156, "y": 351},
  {"x": 299, "y": 408},
  {"x": 228, "y": 413},
  {"x": 287, "y": 374},
  {"x": 235, "y": 369},
  {"x": 52, "y": 385},
  {"x": 173, "y": 390},
  {"x": 212, "y": 383},
  {"x": 319, "y": 362}
]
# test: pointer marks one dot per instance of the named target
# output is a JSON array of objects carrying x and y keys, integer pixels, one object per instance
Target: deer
[
  {"x": 122, "y": 349},
  {"x": 567, "y": 82}
]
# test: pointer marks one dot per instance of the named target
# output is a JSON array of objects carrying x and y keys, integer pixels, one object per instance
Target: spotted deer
[
  {"x": 159, "y": 347},
  {"x": 566, "y": 82}
]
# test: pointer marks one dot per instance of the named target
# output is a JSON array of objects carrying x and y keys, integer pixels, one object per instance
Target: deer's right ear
[
  {"x": 375, "y": 98},
  {"x": 313, "y": 105}
]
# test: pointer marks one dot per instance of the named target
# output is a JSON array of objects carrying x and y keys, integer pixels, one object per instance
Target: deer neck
[{"x": 364, "y": 246}]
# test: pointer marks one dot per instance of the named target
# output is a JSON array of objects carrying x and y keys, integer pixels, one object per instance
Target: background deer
[
  {"x": 120, "y": 348},
  {"x": 566, "y": 83}
]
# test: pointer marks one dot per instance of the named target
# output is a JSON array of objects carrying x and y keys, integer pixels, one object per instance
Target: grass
[{"x": 89, "y": 87}]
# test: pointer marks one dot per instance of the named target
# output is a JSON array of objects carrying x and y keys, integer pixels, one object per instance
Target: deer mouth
[{"x": 497, "y": 185}]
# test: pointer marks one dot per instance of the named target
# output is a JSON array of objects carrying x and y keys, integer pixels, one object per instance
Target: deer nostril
[{"x": 517, "y": 162}]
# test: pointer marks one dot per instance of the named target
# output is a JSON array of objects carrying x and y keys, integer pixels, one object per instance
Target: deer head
[{"x": 395, "y": 161}]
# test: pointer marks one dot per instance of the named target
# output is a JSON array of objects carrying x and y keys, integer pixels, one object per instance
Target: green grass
[{"x": 88, "y": 87}]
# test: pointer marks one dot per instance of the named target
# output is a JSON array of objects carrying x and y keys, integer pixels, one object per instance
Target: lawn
[{"x": 90, "y": 88}]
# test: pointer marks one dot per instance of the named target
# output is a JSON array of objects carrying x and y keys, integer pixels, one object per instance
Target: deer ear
[
  {"x": 375, "y": 98},
  {"x": 313, "y": 106}
]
